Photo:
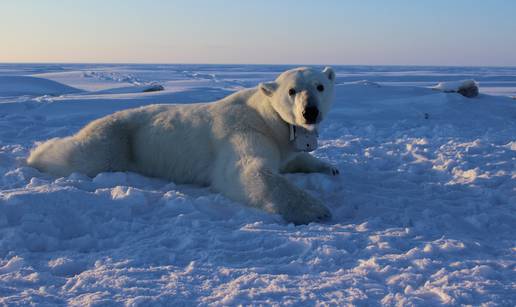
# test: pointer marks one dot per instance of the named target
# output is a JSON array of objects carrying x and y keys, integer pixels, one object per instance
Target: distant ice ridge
[
  {"x": 144, "y": 86},
  {"x": 365, "y": 83},
  {"x": 112, "y": 76},
  {"x": 198, "y": 75}
]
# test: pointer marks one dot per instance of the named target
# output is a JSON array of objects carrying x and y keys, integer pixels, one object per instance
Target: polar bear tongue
[{"x": 303, "y": 139}]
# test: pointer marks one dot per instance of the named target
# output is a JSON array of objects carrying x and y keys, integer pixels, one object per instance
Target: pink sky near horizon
[{"x": 260, "y": 32}]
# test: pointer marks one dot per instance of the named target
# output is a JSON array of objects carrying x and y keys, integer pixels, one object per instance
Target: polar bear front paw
[{"x": 304, "y": 213}]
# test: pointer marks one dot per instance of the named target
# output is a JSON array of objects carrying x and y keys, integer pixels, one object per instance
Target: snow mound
[
  {"x": 25, "y": 85},
  {"x": 153, "y": 87},
  {"x": 467, "y": 88}
]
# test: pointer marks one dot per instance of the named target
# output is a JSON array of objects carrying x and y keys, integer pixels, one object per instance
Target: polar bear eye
[
  {"x": 291, "y": 92},
  {"x": 320, "y": 87}
]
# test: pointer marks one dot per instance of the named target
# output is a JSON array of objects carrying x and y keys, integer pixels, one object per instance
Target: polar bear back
[
  {"x": 174, "y": 142},
  {"x": 181, "y": 142}
]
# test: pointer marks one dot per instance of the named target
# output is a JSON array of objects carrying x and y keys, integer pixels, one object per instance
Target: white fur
[{"x": 238, "y": 145}]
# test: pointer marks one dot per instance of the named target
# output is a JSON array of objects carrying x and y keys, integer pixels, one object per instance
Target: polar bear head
[{"x": 301, "y": 96}]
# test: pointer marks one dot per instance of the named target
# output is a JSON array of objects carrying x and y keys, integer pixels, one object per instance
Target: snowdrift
[{"x": 26, "y": 85}]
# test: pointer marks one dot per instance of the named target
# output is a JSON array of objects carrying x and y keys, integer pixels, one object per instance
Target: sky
[{"x": 398, "y": 32}]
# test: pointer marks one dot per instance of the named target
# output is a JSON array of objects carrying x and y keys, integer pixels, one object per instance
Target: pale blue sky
[{"x": 438, "y": 32}]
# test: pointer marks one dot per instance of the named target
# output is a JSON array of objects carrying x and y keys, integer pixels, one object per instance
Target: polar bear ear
[
  {"x": 328, "y": 71},
  {"x": 268, "y": 88}
]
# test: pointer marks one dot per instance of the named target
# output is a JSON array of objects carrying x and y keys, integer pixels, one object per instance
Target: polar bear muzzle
[
  {"x": 310, "y": 114},
  {"x": 309, "y": 105}
]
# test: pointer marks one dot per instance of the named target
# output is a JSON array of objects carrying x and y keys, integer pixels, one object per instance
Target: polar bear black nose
[{"x": 310, "y": 114}]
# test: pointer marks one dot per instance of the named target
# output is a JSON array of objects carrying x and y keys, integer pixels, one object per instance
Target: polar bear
[{"x": 239, "y": 145}]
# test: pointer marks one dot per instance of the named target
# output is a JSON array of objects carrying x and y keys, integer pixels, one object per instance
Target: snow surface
[{"x": 423, "y": 211}]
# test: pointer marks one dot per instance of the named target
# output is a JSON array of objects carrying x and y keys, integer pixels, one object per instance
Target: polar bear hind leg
[{"x": 103, "y": 145}]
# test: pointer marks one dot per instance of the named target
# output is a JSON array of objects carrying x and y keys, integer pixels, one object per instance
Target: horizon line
[{"x": 253, "y": 64}]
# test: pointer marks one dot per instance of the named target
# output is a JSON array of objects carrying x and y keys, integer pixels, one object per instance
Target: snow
[{"x": 423, "y": 208}]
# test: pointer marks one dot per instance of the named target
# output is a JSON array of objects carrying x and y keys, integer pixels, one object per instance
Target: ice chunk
[{"x": 467, "y": 88}]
